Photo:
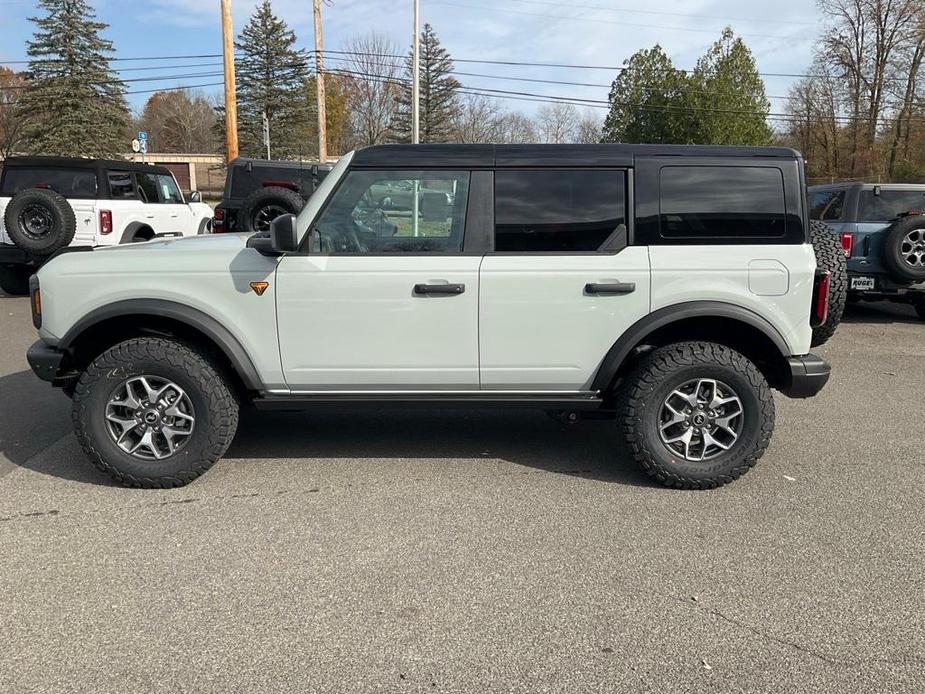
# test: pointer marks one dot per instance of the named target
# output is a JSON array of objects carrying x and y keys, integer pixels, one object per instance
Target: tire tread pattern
[{"x": 830, "y": 256}]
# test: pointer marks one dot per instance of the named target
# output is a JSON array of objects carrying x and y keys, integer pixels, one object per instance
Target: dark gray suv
[{"x": 882, "y": 230}]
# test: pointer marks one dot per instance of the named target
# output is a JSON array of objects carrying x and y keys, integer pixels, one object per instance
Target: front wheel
[
  {"x": 14, "y": 279},
  {"x": 152, "y": 412},
  {"x": 696, "y": 415}
]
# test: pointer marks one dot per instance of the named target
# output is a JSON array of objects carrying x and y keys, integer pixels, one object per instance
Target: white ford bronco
[
  {"x": 668, "y": 287},
  {"x": 51, "y": 203}
]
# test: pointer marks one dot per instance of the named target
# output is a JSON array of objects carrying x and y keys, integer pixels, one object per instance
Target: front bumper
[
  {"x": 808, "y": 375},
  {"x": 45, "y": 361}
]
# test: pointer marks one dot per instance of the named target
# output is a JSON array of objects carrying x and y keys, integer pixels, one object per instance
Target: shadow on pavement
[
  {"x": 880, "y": 312},
  {"x": 34, "y": 416}
]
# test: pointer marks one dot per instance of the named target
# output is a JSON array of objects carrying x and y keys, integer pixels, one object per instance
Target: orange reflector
[{"x": 259, "y": 287}]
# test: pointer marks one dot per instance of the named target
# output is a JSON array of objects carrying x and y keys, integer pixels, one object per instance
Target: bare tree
[
  {"x": 12, "y": 120},
  {"x": 374, "y": 85},
  {"x": 589, "y": 128},
  {"x": 516, "y": 128},
  {"x": 478, "y": 119},
  {"x": 910, "y": 63},
  {"x": 557, "y": 122},
  {"x": 179, "y": 121}
]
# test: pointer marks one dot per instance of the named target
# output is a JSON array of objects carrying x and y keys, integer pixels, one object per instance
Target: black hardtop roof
[
  {"x": 81, "y": 163},
  {"x": 548, "y": 155},
  {"x": 282, "y": 163}
]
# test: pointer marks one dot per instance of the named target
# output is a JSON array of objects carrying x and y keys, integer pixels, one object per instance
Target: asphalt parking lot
[{"x": 474, "y": 551}]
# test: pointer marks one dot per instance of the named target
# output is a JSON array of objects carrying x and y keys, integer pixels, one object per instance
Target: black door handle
[
  {"x": 424, "y": 289},
  {"x": 610, "y": 288}
]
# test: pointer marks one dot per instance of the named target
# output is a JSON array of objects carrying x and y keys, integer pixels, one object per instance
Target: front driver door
[{"x": 384, "y": 300}]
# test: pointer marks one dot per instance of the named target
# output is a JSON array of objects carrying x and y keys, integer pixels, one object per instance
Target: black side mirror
[
  {"x": 195, "y": 196},
  {"x": 283, "y": 235}
]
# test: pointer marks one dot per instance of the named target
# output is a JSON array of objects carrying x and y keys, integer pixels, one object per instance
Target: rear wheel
[
  {"x": 153, "y": 412},
  {"x": 264, "y": 205},
  {"x": 696, "y": 415}
]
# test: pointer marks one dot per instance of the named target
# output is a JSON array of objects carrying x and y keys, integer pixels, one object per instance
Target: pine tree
[
  {"x": 75, "y": 102},
  {"x": 271, "y": 76},
  {"x": 438, "y": 98},
  {"x": 728, "y": 96}
]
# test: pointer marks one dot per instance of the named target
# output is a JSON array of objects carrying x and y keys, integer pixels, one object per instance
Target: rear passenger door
[{"x": 562, "y": 282}]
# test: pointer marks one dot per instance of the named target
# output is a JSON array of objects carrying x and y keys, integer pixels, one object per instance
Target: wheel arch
[
  {"x": 714, "y": 321},
  {"x": 133, "y": 228},
  {"x": 110, "y": 324}
]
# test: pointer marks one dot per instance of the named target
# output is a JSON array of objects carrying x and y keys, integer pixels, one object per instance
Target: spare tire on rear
[
  {"x": 830, "y": 256},
  {"x": 904, "y": 249},
  {"x": 264, "y": 205},
  {"x": 40, "y": 221}
]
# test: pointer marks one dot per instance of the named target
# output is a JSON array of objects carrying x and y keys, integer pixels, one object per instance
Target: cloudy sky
[{"x": 584, "y": 32}]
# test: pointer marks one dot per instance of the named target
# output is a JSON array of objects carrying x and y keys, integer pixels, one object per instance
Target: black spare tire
[
  {"x": 264, "y": 205},
  {"x": 830, "y": 256},
  {"x": 40, "y": 221},
  {"x": 904, "y": 249}
]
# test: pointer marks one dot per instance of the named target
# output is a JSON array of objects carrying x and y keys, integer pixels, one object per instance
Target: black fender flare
[
  {"x": 129, "y": 232},
  {"x": 637, "y": 333},
  {"x": 192, "y": 317}
]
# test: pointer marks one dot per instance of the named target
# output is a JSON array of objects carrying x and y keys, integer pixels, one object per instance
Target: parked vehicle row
[
  {"x": 51, "y": 203},
  {"x": 667, "y": 287}
]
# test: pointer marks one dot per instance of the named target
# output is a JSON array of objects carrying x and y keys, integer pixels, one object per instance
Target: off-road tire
[
  {"x": 276, "y": 196},
  {"x": 899, "y": 269},
  {"x": 214, "y": 404},
  {"x": 14, "y": 279},
  {"x": 642, "y": 393},
  {"x": 62, "y": 224},
  {"x": 830, "y": 256}
]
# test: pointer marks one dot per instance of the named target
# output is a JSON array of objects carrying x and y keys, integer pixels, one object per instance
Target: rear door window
[
  {"x": 121, "y": 185},
  {"x": 148, "y": 187},
  {"x": 69, "y": 182},
  {"x": 827, "y": 205},
  {"x": 721, "y": 202},
  {"x": 889, "y": 204},
  {"x": 170, "y": 193},
  {"x": 558, "y": 211}
]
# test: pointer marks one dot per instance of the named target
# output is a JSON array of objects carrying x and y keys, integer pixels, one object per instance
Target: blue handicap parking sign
[{"x": 142, "y": 135}]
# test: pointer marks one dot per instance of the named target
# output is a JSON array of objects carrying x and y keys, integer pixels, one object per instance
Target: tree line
[{"x": 859, "y": 113}]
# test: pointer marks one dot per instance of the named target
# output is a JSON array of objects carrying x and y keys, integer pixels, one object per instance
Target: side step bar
[{"x": 543, "y": 401}]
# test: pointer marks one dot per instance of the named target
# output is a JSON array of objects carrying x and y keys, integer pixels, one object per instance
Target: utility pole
[
  {"x": 231, "y": 102},
  {"x": 319, "y": 83},
  {"x": 266, "y": 133}
]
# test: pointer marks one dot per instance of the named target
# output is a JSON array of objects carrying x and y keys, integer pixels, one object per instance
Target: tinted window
[
  {"x": 72, "y": 183},
  {"x": 374, "y": 212},
  {"x": 169, "y": 191},
  {"x": 827, "y": 205},
  {"x": 147, "y": 187},
  {"x": 889, "y": 204},
  {"x": 121, "y": 185},
  {"x": 721, "y": 202},
  {"x": 557, "y": 211}
]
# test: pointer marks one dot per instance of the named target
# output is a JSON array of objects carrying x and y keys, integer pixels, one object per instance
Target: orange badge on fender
[{"x": 259, "y": 287}]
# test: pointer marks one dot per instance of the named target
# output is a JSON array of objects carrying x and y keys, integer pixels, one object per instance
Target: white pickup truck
[{"x": 50, "y": 203}]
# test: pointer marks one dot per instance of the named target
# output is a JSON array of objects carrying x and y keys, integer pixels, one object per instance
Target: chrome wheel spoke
[{"x": 701, "y": 419}]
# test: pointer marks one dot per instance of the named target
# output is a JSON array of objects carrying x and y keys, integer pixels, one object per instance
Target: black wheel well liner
[
  {"x": 110, "y": 324},
  {"x": 132, "y": 229},
  {"x": 714, "y": 321}
]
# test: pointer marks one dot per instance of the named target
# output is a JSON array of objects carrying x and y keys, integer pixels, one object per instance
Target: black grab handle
[
  {"x": 422, "y": 289},
  {"x": 610, "y": 288}
]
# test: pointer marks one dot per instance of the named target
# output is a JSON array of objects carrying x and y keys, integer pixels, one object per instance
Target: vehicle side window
[
  {"x": 170, "y": 193},
  {"x": 147, "y": 187},
  {"x": 827, "y": 205},
  {"x": 564, "y": 211},
  {"x": 889, "y": 204},
  {"x": 374, "y": 212},
  {"x": 69, "y": 182},
  {"x": 721, "y": 202},
  {"x": 121, "y": 185}
]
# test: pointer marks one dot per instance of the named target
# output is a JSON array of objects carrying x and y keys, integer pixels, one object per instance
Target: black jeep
[{"x": 258, "y": 191}]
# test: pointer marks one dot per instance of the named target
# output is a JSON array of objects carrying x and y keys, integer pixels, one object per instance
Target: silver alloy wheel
[
  {"x": 913, "y": 248},
  {"x": 266, "y": 214},
  {"x": 701, "y": 419},
  {"x": 149, "y": 417}
]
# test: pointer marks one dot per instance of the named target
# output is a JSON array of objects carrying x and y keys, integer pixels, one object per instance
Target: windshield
[{"x": 318, "y": 198}]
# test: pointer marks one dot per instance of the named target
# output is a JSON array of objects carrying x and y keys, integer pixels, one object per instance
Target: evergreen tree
[
  {"x": 438, "y": 97},
  {"x": 647, "y": 101},
  {"x": 270, "y": 80},
  {"x": 728, "y": 96},
  {"x": 75, "y": 102}
]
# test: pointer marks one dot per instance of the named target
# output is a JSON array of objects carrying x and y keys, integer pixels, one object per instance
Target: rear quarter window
[
  {"x": 722, "y": 202},
  {"x": 69, "y": 182},
  {"x": 827, "y": 205}
]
